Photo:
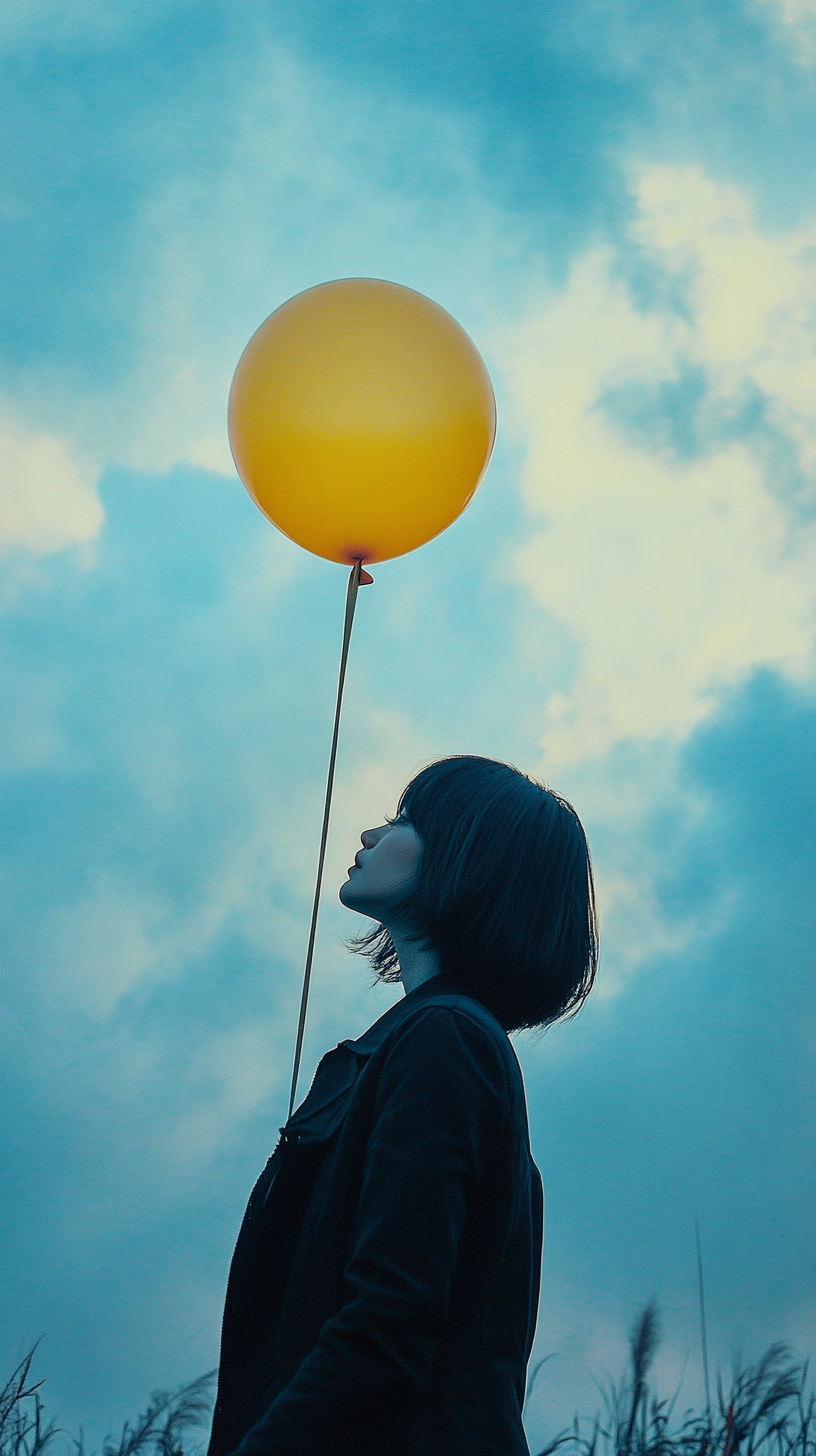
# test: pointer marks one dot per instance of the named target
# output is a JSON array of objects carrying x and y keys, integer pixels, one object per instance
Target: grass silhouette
[
  {"x": 158, "y": 1431},
  {"x": 765, "y": 1411}
]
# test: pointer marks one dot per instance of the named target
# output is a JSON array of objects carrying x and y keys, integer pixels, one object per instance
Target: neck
[{"x": 418, "y": 962}]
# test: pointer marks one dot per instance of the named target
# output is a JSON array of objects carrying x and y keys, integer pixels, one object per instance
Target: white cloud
[
  {"x": 676, "y": 577},
  {"x": 752, "y": 295},
  {"x": 798, "y": 18},
  {"x": 48, "y": 496}
]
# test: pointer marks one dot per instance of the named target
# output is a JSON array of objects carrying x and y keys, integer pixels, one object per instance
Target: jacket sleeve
[{"x": 437, "y": 1122}]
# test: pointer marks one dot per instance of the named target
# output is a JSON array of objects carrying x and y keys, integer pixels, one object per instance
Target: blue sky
[{"x": 617, "y": 201}]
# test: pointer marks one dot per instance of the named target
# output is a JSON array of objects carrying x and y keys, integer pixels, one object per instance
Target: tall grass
[
  {"x": 764, "y": 1411},
  {"x": 159, "y": 1431}
]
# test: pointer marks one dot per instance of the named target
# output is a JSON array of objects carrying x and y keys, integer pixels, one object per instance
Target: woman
[{"x": 383, "y": 1294}]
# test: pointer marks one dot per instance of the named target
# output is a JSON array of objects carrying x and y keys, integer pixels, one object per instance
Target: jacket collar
[
  {"x": 442, "y": 984},
  {"x": 322, "y": 1111},
  {"x": 324, "y": 1107}
]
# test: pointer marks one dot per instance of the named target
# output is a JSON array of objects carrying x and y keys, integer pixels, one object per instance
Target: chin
[{"x": 344, "y": 897}]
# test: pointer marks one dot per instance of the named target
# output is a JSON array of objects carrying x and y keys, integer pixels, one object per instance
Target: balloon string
[{"x": 351, "y": 602}]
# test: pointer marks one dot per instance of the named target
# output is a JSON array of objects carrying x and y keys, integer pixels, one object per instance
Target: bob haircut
[{"x": 504, "y": 892}]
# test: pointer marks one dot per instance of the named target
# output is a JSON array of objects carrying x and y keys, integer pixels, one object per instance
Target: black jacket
[{"x": 383, "y": 1294}]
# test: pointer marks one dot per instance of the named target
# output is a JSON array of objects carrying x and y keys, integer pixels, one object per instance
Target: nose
[{"x": 370, "y": 837}]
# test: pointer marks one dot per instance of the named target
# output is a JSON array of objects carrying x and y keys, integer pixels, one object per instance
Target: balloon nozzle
[{"x": 366, "y": 579}]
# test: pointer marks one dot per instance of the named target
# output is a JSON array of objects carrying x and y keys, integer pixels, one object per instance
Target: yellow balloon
[{"x": 361, "y": 419}]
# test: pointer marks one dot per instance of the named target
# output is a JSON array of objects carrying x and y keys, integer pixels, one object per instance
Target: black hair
[{"x": 504, "y": 893}]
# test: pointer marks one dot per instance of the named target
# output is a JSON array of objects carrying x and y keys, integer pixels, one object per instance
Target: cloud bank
[{"x": 667, "y": 397}]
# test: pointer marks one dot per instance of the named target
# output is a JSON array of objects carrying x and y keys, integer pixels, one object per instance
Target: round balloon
[{"x": 361, "y": 419}]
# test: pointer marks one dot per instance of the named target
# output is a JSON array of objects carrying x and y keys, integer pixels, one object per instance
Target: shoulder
[{"x": 458, "y": 1035}]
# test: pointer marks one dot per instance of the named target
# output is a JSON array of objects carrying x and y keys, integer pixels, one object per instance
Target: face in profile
[
  {"x": 384, "y": 870},
  {"x": 485, "y": 877}
]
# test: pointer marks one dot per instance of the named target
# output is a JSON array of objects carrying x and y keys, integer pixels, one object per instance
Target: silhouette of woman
[{"x": 383, "y": 1293}]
